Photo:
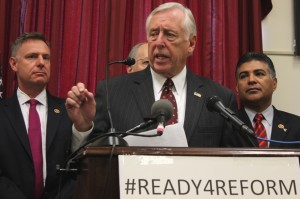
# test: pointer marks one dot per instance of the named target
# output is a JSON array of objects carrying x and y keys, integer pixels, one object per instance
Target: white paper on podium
[{"x": 173, "y": 136}]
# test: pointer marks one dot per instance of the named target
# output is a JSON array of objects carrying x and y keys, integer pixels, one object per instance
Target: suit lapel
[
  {"x": 14, "y": 114},
  {"x": 195, "y": 100},
  {"x": 55, "y": 112},
  {"x": 280, "y": 128},
  {"x": 142, "y": 83}
]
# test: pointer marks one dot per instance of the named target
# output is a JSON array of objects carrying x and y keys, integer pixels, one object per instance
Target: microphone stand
[{"x": 114, "y": 139}]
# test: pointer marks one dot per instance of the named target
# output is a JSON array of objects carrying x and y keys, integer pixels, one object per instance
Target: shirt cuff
[{"x": 79, "y": 138}]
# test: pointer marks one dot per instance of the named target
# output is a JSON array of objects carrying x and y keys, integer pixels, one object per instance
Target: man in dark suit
[
  {"x": 255, "y": 83},
  {"x": 30, "y": 60},
  {"x": 171, "y": 33}
]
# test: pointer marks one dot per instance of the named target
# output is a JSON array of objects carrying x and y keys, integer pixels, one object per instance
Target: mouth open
[{"x": 161, "y": 57}]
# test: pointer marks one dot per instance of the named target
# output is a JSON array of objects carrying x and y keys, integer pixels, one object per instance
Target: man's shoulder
[
  {"x": 287, "y": 115},
  {"x": 138, "y": 76},
  {"x": 55, "y": 98},
  {"x": 209, "y": 83}
]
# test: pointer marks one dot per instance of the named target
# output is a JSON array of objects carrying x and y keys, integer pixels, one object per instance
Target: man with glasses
[{"x": 140, "y": 53}]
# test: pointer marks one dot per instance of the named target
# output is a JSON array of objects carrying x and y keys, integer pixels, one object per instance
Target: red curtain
[{"x": 87, "y": 34}]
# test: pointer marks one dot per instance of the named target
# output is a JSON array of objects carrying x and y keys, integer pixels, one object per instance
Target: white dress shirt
[
  {"x": 42, "y": 108},
  {"x": 179, "y": 90},
  {"x": 267, "y": 122}
]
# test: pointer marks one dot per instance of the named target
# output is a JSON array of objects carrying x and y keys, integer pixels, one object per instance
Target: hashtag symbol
[{"x": 130, "y": 186}]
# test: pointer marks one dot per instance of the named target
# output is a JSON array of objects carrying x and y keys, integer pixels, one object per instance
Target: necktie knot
[
  {"x": 33, "y": 102},
  {"x": 258, "y": 117},
  {"x": 168, "y": 85}
]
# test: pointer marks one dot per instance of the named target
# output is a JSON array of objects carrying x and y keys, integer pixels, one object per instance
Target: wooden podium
[{"x": 99, "y": 174}]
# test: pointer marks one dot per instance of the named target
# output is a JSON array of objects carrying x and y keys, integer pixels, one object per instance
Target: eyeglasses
[{"x": 145, "y": 61}]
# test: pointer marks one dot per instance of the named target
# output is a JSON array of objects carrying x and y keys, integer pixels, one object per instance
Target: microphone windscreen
[
  {"x": 211, "y": 103},
  {"x": 129, "y": 61},
  {"x": 162, "y": 107}
]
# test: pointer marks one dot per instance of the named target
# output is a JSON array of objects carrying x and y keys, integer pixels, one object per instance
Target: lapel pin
[
  {"x": 281, "y": 126},
  {"x": 56, "y": 110},
  {"x": 197, "y": 94}
]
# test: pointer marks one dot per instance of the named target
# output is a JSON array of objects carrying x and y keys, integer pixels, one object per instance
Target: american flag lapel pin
[
  {"x": 197, "y": 94},
  {"x": 281, "y": 126}
]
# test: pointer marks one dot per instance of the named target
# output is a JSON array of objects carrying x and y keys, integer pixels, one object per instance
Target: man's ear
[
  {"x": 274, "y": 84},
  {"x": 129, "y": 69},
  {"x": 192, "y": 44},
  {"x": 237, "y": 90},
  {"x": 13, "y": 63}
]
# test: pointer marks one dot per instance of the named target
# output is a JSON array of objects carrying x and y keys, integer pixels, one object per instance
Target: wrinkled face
[
  {"x": 141, "y": 59},
  {"x": 168, "y": 46},
  {"x": 32, "y": 64},
  {"x": 255, "y": 85}
]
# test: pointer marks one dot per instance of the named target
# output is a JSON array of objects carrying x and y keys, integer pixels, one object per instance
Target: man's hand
[{"x": 81, "y": 107}]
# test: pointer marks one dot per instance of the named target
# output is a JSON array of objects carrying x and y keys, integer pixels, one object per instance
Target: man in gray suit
[
  {"x": 171, "y": 34},
  {"x": 255, "y": 83}
]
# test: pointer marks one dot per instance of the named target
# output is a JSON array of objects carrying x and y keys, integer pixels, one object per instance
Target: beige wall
[{"x": 278, "y": 43}]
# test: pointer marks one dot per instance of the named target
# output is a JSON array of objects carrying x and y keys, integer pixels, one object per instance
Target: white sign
[
  {"x": 173, "y": 136},
  {"x": 171, "y": 177}
]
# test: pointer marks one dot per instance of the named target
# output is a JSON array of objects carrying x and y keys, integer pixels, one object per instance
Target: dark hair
[
  {"x": 25, "y": 37},
  {"x": 258, "y": 56}
]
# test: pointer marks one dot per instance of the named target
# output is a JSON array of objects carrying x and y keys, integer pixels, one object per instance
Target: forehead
[
  {"x": 143, "y": 49},
  {"x": 34, "y": 46},
  {"x": 171, "y": 18},
  {"x": 253, "y": 66}
]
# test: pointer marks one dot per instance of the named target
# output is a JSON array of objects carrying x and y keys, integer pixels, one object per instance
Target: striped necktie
[{"x": 260, "y": 130}]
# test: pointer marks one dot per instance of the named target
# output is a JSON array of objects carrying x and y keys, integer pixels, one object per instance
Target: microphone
[
  {"x": 129, "y": 61},
  {"x": 162, "y": 110},
  {"x": 214, "y": 103}
]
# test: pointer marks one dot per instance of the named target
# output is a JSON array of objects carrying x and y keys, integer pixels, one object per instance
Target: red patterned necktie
[
  {"x": 168, "y": 94},
  {"x": 260, "y": 130},
  {"x": 35, "y": 139}
]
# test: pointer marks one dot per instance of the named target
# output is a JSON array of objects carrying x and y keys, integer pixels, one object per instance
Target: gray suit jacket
[
  {"x": 286, "y": 127},
  {"x": 16, "y": 165},
  {"x": 131, "y": 97}
]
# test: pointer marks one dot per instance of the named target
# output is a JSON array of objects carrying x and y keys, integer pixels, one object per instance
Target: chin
[{"x": 161, "y": 68}]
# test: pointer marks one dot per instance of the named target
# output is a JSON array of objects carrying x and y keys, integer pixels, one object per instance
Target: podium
[{"x": 99, "y": 166}]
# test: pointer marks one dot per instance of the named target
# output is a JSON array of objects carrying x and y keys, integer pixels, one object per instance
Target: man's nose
[
  {"x": 41, "y": 61},
  {"x": 252, "y": 78},
  {"x": 160, "y": 41}
]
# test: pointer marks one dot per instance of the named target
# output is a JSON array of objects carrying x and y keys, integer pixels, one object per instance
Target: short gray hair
[
  {"x": 25, "y": 37},
  {"x": 188, "y": 25},
  {"x": 134, "y": 50}
]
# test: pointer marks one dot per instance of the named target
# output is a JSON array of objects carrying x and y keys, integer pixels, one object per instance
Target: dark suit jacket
[
  {"x": 131, "y": 97},
  {"x": 16, "y": 166},
  {"x": 281, "y": 119}
]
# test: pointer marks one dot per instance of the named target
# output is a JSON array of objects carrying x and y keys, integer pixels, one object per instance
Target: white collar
[
  {"x": 23, "y": 97},
  {"x": 159, "y": 80},
  {"x": 268, "y": 114}
]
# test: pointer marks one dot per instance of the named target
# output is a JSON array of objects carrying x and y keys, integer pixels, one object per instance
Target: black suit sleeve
[{"x": 8, "y": 189}]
